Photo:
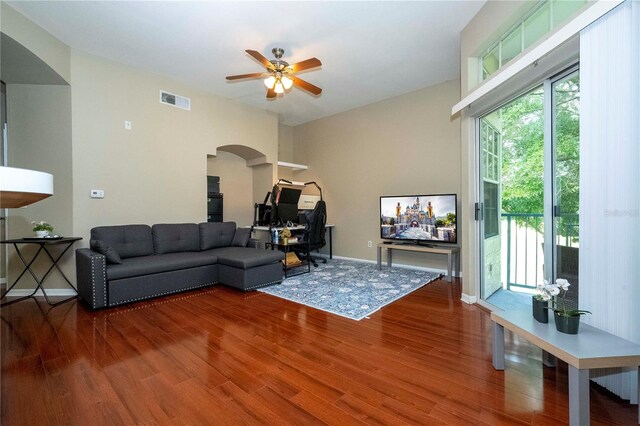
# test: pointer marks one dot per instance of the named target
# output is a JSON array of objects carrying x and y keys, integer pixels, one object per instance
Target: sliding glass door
[{"x": 529, "y": 187}]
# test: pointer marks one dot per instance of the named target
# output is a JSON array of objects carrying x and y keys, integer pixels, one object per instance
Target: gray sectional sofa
[{"x": 128, "y": 263}]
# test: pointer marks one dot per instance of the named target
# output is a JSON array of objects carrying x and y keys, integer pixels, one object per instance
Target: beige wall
[
  {"x": 155, "y": 172},
  {"x": 48, "y": 48},
  {"x": 404, "y": 145},
  {"x": 39, "y": 135},
  {"x": 285, "y": 151},
  {"x": 236, "y": 183}
]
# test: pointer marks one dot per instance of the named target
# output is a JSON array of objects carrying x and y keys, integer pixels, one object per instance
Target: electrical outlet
[
  {"x": 370, "y": 244},
  {"x": 97, "y": 193}
]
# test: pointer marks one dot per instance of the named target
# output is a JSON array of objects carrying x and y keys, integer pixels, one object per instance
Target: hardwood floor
[{"x": 219, "y": 356}]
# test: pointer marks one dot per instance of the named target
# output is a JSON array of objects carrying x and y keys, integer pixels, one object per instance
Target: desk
[
  {"x": 449, "y": 251},
  {"x": 267, "y": 229},
  {"x": 590, "y": 348},
  {"x": 43, "y": 243}
]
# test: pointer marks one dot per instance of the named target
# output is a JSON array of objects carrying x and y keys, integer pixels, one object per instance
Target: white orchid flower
[{"x": 563, "y": 284}]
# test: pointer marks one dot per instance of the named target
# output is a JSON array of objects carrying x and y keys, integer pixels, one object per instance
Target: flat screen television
[{"x": 419, "y": 218}]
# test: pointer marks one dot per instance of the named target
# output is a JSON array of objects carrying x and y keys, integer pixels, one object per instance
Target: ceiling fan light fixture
[
  {"x": 270, "y": 81},
  {"x": 279, "y": 87},
  {"x": 286, "y": 82}
]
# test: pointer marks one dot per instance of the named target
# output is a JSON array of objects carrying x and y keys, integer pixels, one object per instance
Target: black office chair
[{"x": 315, "y": 229}]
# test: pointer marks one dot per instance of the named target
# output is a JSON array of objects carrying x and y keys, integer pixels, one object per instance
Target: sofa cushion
[
  {"x": 175, "y": 237},
  {"x": 215, "y": 234},
  {"x": 241, "y": 237},
  {"x": 245, "y": 257},
  {"x": 126, "y": 240},
  {"x": 157, "y": 263},
  {"x": 109, "y": 252}
]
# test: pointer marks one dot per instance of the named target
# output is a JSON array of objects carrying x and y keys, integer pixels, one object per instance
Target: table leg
[
  {"x": 548, "y": 360},
  {"x": 449, "y": 256},
  {"x": 331, "y": 243},
  {"x": 498, "y": 346},
  {"x": 578, "y": 396},
  {"x": 27, "y": 268},
  {"x": 379, "y": 257},
  {"x": 389, "y": 257},
  {"x": 55, "y": 263}
]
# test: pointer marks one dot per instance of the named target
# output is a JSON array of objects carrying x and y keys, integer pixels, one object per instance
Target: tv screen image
[{"x": 421, "y": 218}]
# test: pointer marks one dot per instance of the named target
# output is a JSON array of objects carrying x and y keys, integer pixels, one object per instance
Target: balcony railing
[
  {"x": 523, "y": 246},
  {"x": 524, "y": 254}
]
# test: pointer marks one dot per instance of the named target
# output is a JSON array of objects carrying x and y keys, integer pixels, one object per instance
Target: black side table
[
  {"x": 43, "y": 243},
  {"x": 288, "y": 248}
]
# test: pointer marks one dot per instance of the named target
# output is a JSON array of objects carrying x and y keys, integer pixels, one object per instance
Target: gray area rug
[{"x": 350, "y": 289}]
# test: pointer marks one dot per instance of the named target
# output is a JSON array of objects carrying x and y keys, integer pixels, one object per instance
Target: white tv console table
[
  {"x": 590, "y": 348},
  {"x": 449, "y": 251}
]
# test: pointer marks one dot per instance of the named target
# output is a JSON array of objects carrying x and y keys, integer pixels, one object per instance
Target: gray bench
[{"x": 591, "y": 348}]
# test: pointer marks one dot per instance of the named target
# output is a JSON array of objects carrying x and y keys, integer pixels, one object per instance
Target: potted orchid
[
  {"x": 42, "y": 228},
  {"x": 567, "y": 320},
  {"x": 540, "y": 302}
]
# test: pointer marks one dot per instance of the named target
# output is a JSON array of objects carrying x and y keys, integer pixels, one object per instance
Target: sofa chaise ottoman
[{"x": 128, "y": 263}]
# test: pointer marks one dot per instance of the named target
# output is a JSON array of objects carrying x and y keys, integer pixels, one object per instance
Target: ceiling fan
[{"x": 280, "y": 74}]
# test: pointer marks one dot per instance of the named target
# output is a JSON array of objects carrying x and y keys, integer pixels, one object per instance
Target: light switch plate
[
  {"x": 127, "y": 125},
  {"x": 97, "y": 193}
]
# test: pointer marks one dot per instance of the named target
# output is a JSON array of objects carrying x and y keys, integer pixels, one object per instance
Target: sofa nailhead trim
[
  {"x": 263, "y": 285},
  {"x": 93, "y": 278},
  {"x": 161, "y": 294}
]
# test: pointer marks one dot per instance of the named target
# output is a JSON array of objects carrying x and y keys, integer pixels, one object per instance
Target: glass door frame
[
  {"x": 549, "y": 272},
  {"x": 550, "y": 251}
]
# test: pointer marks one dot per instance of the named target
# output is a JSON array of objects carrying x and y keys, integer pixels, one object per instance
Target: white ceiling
[{"x": 369, "y": 50}]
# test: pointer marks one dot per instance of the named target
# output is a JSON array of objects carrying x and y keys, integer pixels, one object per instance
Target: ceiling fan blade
[
  {"x": 253, "y": 75},
  {"x": 260, "y": 58},
  {"x": 305, "y": 65},
  {"x": 271, "y": 93},
  {"x": 305, "y": 85}
]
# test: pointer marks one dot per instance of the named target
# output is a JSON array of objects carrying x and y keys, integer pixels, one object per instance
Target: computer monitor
[
  {"x": 288, "y": 212},
  {"x": 289, "y": 196}
]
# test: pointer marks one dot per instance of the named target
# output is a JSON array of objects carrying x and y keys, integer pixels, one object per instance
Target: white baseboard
[
  {"x": 469, "y": 300},
  {"x": 51, "y": 292}
]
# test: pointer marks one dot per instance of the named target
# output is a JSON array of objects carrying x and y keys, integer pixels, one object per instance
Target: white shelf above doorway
[{"x": 293, "y": 166}]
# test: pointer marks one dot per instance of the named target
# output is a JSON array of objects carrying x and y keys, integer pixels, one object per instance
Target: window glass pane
[
  {"x": 562, "y": 9},
  {"x": 484, "y": 136},
  {"x": 511, "y": 46},
  {"x": 536, "y": 26},
  {"x": 490, "y": 62}
]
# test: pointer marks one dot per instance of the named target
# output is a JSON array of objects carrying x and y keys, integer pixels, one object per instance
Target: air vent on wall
[{"x": 175, "y": 100}]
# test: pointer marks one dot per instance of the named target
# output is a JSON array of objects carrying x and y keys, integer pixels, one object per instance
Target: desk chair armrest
[{"x": 91, "y": 275}]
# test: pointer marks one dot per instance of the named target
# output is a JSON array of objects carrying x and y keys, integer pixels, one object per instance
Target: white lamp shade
[
  {"x": 279, "y": 88},
  {"x": 269, "y": 82},
  {"x": 21, "y": 187},
  {"x": 286, "y": 82}
]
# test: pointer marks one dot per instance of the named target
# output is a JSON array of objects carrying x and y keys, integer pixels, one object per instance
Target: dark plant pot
[
  {"x": 540, "y": 311},
  {"x": 567, "y": 325}
]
